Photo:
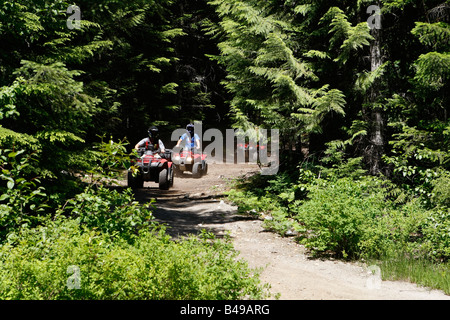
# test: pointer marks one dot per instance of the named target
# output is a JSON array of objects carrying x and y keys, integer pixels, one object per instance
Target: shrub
[
  {"x": 110, "y": 211},
  {"x": 337, "y": 215},
  {"x": 349, "y": 217},
  {"x": 38, "y": 264},
  {"x": 441, "y": 190},
  {"x": 23, "y": 199},
  {"x": 436, "y": 234}
]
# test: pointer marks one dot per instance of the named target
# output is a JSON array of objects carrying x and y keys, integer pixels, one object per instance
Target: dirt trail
[{"x": 195, "y": 204}]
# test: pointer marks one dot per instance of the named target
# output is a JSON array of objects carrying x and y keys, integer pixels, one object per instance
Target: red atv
[
  {"x": 249, "y": 150},
  {"x": 187, "y": 160},
  {"x": 152, "y": 167}
]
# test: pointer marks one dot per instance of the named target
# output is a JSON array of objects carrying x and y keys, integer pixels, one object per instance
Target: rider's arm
[
  {"x": 180, "y": 140},
  {"x": 161, "y": 146},
  {"x": 197, "y": 141},
  {"x": 140, "y": 144}
]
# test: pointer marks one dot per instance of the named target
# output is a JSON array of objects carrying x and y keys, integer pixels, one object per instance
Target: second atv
[{"x": 187, "y": 160}]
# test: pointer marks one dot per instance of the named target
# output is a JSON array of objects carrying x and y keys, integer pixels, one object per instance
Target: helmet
[
  {"x": 190, "y": 128},
  {"x": 153, "y": 132}
]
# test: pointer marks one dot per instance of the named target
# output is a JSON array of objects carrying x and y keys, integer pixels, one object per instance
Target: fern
[
  {"x": 316, "y": 54},
  {"x": 303, "y": 9},
  {"x": 169, "y": 88},
  {"x": 352, "y": 37},
  {"x": 367, "y": 78},
  {"x": 433, "y": 70},
  {"x": 358, "y": 37},
  {"x": 340, "y": 25},
  {"x": 434, "y": 35}
]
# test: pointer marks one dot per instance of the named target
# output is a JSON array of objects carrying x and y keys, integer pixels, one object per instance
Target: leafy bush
[
  {"x": 441, "y": 190},
  {"x": 22, "y": 199},
  {"x": 338, "y": 214},
  {"x": 110, "y": 211},
  {"x": 18, "y": 141},
  {"x": 109, "y": 160},
  {"x": 39, "y": 263},
  {"x": 436, "y": 234},
  {"x": 346, "y": 217}
]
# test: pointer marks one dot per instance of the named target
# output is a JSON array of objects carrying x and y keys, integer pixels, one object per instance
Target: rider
[
  {"x": 190, "y": 138},
  {"x": 152, "y": 142}
]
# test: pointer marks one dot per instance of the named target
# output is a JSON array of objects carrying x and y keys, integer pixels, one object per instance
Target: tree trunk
[{"x": 375, "y": 149}]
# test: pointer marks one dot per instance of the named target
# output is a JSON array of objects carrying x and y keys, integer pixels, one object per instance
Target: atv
[
  {"x": 187, "y": 160},
  {"x": 151, "y": 167},
  {"x": 250, "y": 151}
]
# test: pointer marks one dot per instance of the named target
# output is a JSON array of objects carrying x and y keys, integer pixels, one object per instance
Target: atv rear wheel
[
  {"x": 197, "y": 170},
  {"x": 205, "y": 168}
]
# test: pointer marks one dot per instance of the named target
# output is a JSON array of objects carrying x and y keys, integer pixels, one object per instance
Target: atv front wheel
[{"x": 165, "y": 179}]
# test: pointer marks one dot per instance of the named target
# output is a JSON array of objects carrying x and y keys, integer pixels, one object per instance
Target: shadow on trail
[{"x": 184, "y": 215}]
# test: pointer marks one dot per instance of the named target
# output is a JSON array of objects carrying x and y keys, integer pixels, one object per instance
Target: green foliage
[
  {"x": 249, "y": 203},
  {"x": 434, "y": 35},
  {"x": 436, "y": 235},
  {"x": 49, "y": 94},
  {"x": 23, "y": 199},
  {"x": 353, "y": 37},
  {"x": 417, "y": 157},
  {"x": 441, "y": 192},
  {"x": 35, "y": 265},
  {"x": 357, "y": 217},
  {"x": 271, "y": 82},
  {"x": 337, "y": 215},
  {"x": 109, "y": 160},
  {"x": 109, "y": 211},
  {"x": 433, "y": 70},
  {"x": 368, "y": 78},
  {"x": 19, "y": 141}
]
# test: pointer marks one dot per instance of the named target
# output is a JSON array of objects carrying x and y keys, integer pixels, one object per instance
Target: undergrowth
[
  {"x": 356, "y": 217},
  {"x": 101, "y": 244}
]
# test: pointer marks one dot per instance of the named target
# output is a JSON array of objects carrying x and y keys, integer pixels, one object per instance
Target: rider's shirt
[
  {"x": 189, "y": 141},
  {"x": 148, "y": 145}
]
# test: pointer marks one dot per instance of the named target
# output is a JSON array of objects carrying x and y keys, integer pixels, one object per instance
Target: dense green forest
[{"x": 359, "y": 91}]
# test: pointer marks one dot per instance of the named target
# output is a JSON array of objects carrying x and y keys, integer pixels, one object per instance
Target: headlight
[
  {"x": 176, "y": 158},
  {"x": 188, "y": 159}
]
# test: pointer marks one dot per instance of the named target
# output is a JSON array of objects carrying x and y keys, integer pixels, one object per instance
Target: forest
[{"x": 358, "y": 89}]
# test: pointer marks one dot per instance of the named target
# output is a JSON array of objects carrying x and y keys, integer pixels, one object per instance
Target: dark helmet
[
  {"x": 153, "y": 132},
  {"x": 190, "y": 128}
]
